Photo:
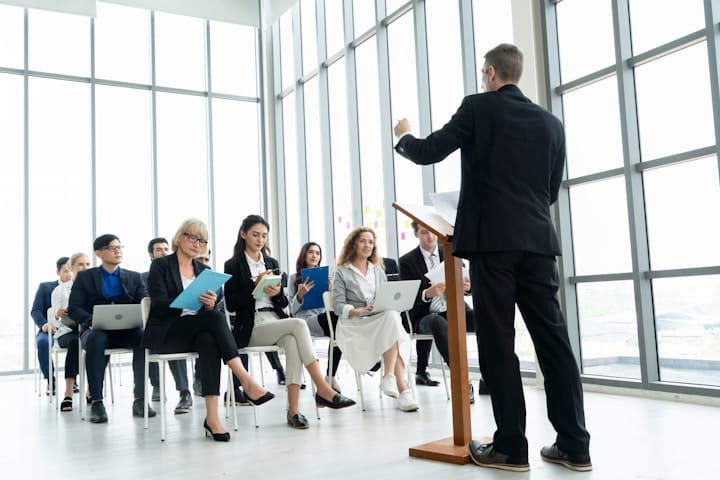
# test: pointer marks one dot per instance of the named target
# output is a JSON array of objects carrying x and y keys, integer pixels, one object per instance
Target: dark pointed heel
[
  {"x": 218, "y": 437},
  {"x": 259, "y": 401}
]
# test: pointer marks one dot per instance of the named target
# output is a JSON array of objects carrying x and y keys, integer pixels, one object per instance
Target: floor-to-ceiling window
[
  {"x": 636, "y": 84},
  {"x": 127, "y": 123}
]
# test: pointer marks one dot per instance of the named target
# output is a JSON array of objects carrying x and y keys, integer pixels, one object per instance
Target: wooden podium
[{"x": 452, "y": 449}]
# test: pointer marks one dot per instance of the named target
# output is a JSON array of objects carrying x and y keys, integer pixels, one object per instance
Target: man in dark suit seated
[
  {"x": 429, "y": 314},
  {"x": 512, "y": 159},
  {"x": 104, "y": 285}
]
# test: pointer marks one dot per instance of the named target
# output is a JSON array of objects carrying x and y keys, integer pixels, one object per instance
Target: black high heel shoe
[
  {"x": 259, "y": 401},
  {"x": 218, "y": 437}
]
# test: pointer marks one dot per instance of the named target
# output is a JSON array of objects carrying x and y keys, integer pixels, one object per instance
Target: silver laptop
[
  {"x": 399, "y": 296},
  {"x": 118, "y": 316}
]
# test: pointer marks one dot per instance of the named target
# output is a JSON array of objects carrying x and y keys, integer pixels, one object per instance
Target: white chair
[
  {"x": 161, "y": 359},
  {"x": 54, "y": 351},
  {"x": 109, "y": 380},
  {"x": 328, "y": 304},
  {"x": 259, "y": 350}
]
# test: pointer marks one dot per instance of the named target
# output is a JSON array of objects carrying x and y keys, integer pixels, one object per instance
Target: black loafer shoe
[
  {"x": 472, "y": 394},
  {"x": 240, "y": 398},
  {"x": 98, "y": 413},
  {"x": 76, "y": 388},
  {"x": 578, "y": 463},
  {"x": 259, "y": 401},
  {"x": 185, "y": 403},
  {"x": 485, "y": 455},
  {"x": 483, "y": 388},
  {"x": 424, "y": 379},
  {"x": 338, "y": 401},
  {"x": 298, "y": 421},
  {"x": 137, "y": 409}
]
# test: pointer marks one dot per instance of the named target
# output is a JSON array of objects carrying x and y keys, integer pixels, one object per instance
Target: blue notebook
[
  {"x": 189, "y": 298},
  {"x": 319, "y": 275}
]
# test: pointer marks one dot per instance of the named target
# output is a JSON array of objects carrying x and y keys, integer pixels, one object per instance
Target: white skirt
[{"x": 363, "y": 340}]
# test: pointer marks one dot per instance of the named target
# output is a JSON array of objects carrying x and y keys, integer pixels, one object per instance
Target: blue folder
[
  {"x": 189, "y": 298},
  {"x": 319, "y": 275}
]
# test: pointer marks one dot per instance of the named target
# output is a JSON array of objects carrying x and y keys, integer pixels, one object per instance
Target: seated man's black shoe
[
  {"x": 185, "y": 404},
  {"x": 485, "y": 455},
  {"x": 76, "y": 388},
  {"x": 281, "y": 380},
  {"x": 197, "y": 387},
  {"x": 578, "y": 463},
  {"x": 483, "y": 388},
  {"x": 338, "y": 401},
  {"x": 98, "y": 413},
  {"x": 298, "y": 421},
  {"x": 156, "y": 394},
  {"x": 472, "y": 394},
  {"x": 137, "y": 409},
  {"x": 424, "y": 379}
]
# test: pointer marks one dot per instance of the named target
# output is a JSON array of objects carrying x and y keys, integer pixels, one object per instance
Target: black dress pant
[
  {"x": 207, "y": 334},
  {"x": 436, "y": 325},
  {"x": 499, "y": 281},
  {"x": 336, "y": 352}
]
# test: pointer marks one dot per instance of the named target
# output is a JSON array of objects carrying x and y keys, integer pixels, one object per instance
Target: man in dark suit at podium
[{"x": 512, "y": 160}]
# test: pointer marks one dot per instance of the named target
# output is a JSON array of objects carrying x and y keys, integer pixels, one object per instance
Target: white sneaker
[
  {"x": 388, "y": 385},
  {"x": 406, "y": 402}
]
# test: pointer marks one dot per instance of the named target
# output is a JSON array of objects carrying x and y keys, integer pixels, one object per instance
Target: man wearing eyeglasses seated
[{"x": 104, "y": 285}]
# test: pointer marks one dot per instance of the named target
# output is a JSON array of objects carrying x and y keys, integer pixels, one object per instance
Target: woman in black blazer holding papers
[
  {"x": 263, "y": 321},
  {"x": 170, "y": 330}
]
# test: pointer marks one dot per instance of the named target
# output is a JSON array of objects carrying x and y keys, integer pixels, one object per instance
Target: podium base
[{"x": 445, "y": 450}]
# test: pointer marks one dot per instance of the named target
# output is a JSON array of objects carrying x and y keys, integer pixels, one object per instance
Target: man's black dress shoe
[
  {"x": 98, "y": 413},
  {"x": 137, "y": 409},
  {"x": 338, "y": 401},
  {"x": 259, "y": 401},
  {"x": 424, "y": 379},
  {"x": 185, "y": 403},
  {"x": 578, "y": 463},
  {"x": 298, "y": 421},
  {"x": 485, "y": 455},
  {"x": 472, "y": 394},
  {"x": 240, "y": 398},
  {"x": 76, "y": 388},
  {"x": 483, "y": 388}
]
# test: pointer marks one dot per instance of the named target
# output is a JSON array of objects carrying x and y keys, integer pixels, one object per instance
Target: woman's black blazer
[{"x": 239, "y": 298}]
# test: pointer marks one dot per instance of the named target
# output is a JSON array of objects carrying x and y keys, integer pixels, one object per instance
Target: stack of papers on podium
[{"x": 446, "y": 204}]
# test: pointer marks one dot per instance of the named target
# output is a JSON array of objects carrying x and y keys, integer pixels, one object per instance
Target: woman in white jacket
[{"x": 66, "y": 332}]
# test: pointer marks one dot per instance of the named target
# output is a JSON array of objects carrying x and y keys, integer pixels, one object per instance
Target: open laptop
[
  {"x": 399, "y": 296},
  {"x": 118, "y": 316}
]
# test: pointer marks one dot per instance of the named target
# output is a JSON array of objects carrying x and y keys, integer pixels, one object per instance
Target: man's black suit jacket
[
  {"x": 239, "y": 298},
  {"x": 87, "y": 292},
  {"x": 512, "y": 157},
  {"x": 164, "y": 284}
]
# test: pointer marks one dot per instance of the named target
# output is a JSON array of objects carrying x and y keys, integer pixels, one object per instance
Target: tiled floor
[{"x": 632, "y": 438}]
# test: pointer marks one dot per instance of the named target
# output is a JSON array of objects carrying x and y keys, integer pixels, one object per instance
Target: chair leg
[
  {"x": 161, "y": 367},
  {"x": 110, "y": 382},
  {"x": 81, "y": 373},
  {"x": 146, "y": 390},
  {"x": 358, "y": 380}
]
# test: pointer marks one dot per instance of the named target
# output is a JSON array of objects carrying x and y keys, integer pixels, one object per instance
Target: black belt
[{"x": 265, "y": 309}]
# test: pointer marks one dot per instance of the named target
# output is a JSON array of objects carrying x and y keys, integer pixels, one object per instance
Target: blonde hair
[
  {"x": 77, "y": 256},
  {"x": 347, "y": 253},
  {"x": 191, "y": 226}
]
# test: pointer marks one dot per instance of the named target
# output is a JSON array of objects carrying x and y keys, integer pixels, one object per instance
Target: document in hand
[
  {"x": 437, "y": 274},
  {"x": 319, "y": 276},
  {"x": 267, "y": 281},
  {"x": 189, "y": 299}
]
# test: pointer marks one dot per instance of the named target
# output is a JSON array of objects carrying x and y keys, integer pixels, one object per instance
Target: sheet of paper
[
  {"x": 437, "y": 273},
  {"x": 446, "y": 204}
]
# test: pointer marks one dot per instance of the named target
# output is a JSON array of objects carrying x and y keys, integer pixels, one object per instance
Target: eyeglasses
[
  {"x": 195, "y": 239},
  {"x": 113, "y": 248}
]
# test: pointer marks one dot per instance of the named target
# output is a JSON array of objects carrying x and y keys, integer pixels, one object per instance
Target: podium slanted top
[{"x": 428, "y": 217}]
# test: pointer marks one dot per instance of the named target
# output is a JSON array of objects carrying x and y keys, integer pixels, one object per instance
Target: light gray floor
[{"x": 632, "y": 438}]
